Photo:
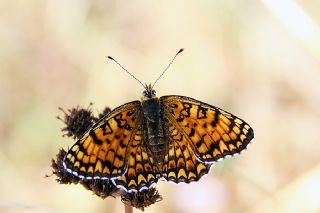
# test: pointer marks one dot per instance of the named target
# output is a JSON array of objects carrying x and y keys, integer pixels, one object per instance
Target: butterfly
[{"x": 175, "y": 138}]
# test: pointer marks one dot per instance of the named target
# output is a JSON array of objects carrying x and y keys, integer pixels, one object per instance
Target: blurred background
[{"x": 257, "y": 59}]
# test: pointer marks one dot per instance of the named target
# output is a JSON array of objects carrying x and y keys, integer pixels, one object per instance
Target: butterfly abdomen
[{"x": 153, "y": 124}]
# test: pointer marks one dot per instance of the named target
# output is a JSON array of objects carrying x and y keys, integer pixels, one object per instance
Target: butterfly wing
[
  {"x": 181, "y": 164},
  {"x": 141, "y": 173},
  {"x": 105, "y": 150},
  {"x": 205, "y": 134}
]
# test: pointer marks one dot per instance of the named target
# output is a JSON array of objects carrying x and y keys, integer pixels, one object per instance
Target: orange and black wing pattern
[
  {"x": 205, "y": 133},
  {"x": 111, "y": 149},
  {"x": 141, "y": 173},
  {"x": 180, "y": 163}
]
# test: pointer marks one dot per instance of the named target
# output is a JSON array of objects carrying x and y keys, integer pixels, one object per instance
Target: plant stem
[{"x": 128, "y": 209}]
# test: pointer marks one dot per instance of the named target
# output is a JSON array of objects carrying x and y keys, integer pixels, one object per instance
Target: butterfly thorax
[{"x": 154, "y": 129}]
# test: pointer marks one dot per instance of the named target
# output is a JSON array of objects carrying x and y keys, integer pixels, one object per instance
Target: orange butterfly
[{"x": 176, "y": 138}]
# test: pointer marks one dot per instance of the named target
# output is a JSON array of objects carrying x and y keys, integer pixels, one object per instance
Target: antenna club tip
[
  {"x": 181, "y": 50},
  {"x": 110, "y": 57}
]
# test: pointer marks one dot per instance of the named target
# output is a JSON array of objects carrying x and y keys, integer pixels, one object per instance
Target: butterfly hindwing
[
  {"x": 141, "y": 173},
  {"x": 181, "y": 164},
  {"x": 212, "y": 132}
]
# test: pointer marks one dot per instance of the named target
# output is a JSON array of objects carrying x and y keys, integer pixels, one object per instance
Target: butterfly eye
[
  {"x": 153, "y": 92},
  {"x": 144, "y": 93}
]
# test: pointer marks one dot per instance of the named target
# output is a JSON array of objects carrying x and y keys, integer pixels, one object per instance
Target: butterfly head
[{"x": 149, "y": 92}]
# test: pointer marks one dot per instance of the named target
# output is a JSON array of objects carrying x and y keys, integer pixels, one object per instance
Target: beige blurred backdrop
[{"x": 257, "y": 59}]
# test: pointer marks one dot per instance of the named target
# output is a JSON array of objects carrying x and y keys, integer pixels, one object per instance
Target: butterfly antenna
[
  {"x": 167, "y": 66},
  {"x": 109, "y": 57}
]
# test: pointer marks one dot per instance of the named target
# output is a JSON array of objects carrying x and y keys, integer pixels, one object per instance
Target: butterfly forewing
[
  {"x": 114, "y": 148},
  {"x": 211, "y": 132},
  {"x": 102, "y": 152}
]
